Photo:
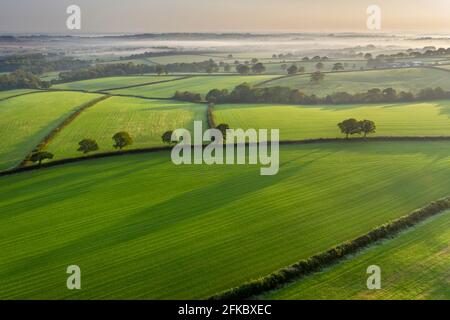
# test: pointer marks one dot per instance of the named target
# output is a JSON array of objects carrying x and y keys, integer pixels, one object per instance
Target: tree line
[
  {"x": 122, "y": 69},
  {"x": 21, "y": 79},
  {"x": 39, "y": 63},
  {"x": 247, "y": 93},
  {"x": 352, "y": 126},
  {"x": 121, "y": 140}
]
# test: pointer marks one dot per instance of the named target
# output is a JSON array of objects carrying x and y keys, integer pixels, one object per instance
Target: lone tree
[
  {"x": 87, "y": 145},
  {"x": 167, "y": 137},
  {"x": 338, "y": 66},
  {"x": 223, "y": 127},
  {"x": 258, "y": 68},
  {"x": 292, "y": 69},
  {"x": 319, "y": 66},
  {"x": 317, "y": 77},
  {"x": 350, "y": 127},
  {"x": 41, "y": 156},
  {"x": 367, "y": 127},
  {"x": 122, "y": 139}
]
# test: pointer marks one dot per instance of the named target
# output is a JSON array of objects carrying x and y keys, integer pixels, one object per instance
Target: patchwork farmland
[{"x": 141, "y": 227}]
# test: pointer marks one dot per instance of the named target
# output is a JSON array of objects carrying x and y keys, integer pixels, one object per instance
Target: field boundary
[
  {"x": 210, "y": 116},
  {"x": 111, "y": 94},
  {"x": 318, "y": 262},
  {"x": 52, "y": 134},
  {"x": 143, "y": 84},
  {"x": 24, "y": 94},
  {"x": 20, "y": 169}
]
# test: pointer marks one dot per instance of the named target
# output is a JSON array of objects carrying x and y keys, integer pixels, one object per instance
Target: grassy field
[
  {"x": 275, "y": 67},
  {"x": 141, "y": 227},
  {"x": 144, "y": 120},
  {"x": 11, "y": 93},
  {"x": 411, "y": 79},
  {"x": 200, "y": 84},
  {"x": 305, "y": 122},
  {"x": 111, "y": 82},
  {"x": 414, "y": 265},
  {"x": 26, "y": 120}
]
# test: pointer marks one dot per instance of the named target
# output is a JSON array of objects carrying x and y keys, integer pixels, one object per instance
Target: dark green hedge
[{"x": 316, "y": 263}]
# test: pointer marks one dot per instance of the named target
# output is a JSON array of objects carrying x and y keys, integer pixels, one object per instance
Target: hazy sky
[{"x": 104, "y": 16}]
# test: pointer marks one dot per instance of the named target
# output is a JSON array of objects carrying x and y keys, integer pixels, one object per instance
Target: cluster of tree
[
  {"x": 245, "y": 69},
  {"x": 121, "y": 140},
  {"x": 293, "y": 69},
  {"x": 187, "y": 96},
  {"x": 352, "y": 126},
  {"x": 39, "y": 63},
  {"x": 246, "y": 93},
  {"x": 21, "y": 79}
]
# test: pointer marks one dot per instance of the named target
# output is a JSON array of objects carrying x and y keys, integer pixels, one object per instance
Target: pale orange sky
[{"x": 101, "y": 16}]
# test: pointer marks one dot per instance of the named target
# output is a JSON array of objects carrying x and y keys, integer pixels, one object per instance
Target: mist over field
[{"x": 341, "y": 44}]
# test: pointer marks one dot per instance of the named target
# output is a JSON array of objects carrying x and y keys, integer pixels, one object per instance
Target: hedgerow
[{"x": 318, "y": 262}]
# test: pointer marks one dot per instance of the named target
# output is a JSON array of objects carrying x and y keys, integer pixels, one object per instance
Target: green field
[
  {"x": 275, "y": 67},
  {"x": 11, "y": 93},
  {"x": 111, "y": 82},
  {"x": 414, "y": 265},
  {"x": 141, "y": 227},
  {"x": 144, "y": 120},
  {"x": 199, "y": 84},
  {"x": 26, "y": 120},
  {"x": 306, "y": 122},
  {"x": 410, "y": 79}
]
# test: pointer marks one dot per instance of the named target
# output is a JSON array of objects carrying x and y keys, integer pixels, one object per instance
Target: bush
[{"x": 187, "y": 96}]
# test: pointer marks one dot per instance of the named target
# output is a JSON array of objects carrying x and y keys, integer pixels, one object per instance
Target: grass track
[
  {"x": 308, "y": 122},
  {"x": 414, "y": 265},
  {"x": 145, "y": 120},
  {"x": 26, "y": 120},
  {"x": 132, "y": 223}
]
